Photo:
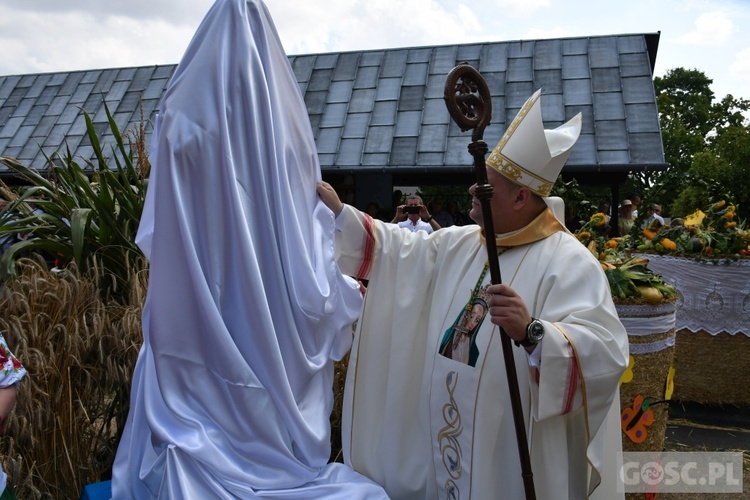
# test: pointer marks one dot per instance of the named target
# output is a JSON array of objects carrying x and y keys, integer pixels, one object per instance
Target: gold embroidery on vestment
[{"x": 450, "y": 448}]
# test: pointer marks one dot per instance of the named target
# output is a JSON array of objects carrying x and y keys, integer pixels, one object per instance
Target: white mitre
[{"x": 531, "y": 156}]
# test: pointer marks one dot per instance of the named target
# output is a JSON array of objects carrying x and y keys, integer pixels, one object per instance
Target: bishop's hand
[
  {"x": 508, "y": 310},
  {"x": 330, "y": 197}
]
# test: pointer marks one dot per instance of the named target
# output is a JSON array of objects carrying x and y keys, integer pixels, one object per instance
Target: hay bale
[
  {"x": 712, "y": 369},
  {"x": 712, "y": 351},
  {"x": 651, "y": 336}
]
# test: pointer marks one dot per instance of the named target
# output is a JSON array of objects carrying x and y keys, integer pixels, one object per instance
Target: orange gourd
[{"x": 668, "y": 244}]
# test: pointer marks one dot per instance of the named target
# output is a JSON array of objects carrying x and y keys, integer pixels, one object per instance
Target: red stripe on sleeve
[
  {"x": 572, "y": 383},
  {"x": 368, "y": 249},
  {"x": 535, "y": 374}
]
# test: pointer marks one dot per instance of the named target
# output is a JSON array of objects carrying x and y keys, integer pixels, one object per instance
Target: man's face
[
  {"x": 413, "y": 203},
  {"x": 503, "y": 197}
]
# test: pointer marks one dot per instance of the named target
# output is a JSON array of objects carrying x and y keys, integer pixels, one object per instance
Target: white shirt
[
  {"x": 419, "y": 226},
  {"x": 651, "y": 219}
]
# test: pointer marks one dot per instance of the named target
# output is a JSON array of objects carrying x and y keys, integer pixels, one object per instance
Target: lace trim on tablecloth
[{"x": 714, "y": 298}]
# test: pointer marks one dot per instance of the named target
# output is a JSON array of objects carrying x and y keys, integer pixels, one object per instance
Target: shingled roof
[{"x": 383, "y": 110}]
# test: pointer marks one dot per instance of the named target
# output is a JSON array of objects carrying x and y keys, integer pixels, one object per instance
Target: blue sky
[{"x": 39, "y": 36}]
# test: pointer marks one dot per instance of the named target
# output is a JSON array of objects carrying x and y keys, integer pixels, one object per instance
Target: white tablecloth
[{"x": 711, "y": 297}]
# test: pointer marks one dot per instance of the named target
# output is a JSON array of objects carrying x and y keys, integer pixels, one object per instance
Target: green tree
[
  {"x": 684, "y": 98},
  {"x": 706, "y": 144}
]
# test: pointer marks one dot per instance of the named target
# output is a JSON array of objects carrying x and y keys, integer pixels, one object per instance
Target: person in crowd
[
  {"x": 397, "y": 198},
  {"x": 373, "y": 210},
  {"x": 654, "y": 218},
  {"x": 458, "y": 218},
  {"x": 605, "y": 209},
  {"x": 572, "y": 218},
  {"x": 625, "y": 219},
  {"x": 414, "y": 216},
  {"x": 635, "y": 200},
  {"x": 425, "y": 425},
  {"x": 11, "y": 374},
  {"x": 246, "y": 313},
  {"x": 441, "y": 216}
]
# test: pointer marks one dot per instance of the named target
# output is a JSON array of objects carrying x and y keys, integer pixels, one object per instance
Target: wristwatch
[{"x": 534, "y": 333}]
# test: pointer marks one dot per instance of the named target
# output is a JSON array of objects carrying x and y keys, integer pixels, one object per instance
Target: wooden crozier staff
[{"x": 467, "y": 98}]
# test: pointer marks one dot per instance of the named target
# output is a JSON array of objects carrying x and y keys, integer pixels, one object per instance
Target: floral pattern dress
[{"x": 11, "y": 372}]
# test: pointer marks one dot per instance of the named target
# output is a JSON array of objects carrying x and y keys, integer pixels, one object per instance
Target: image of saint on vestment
[{"x": 459, "y": 342}]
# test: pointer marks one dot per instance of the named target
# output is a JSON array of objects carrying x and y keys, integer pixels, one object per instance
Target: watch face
[{"x": 535, "y": 332}]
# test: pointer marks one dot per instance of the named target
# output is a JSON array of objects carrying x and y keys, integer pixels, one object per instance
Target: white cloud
[
  {"x": 541, "y": 34},
  {"x": 520, "y": 8},
  {"x": 75, "y": 40},
  {"x": 712, "y": 29},
  {"x": 359, "y": 25},
  {"x": 174, "y": 11},
  {"x": 740, "y": 67},
  {"x": 53, "y": 35}
]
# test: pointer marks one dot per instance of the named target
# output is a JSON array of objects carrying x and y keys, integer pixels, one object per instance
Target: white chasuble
[
  {"x": 427, "y": 410},
  {"x": 464, "y": 387}
]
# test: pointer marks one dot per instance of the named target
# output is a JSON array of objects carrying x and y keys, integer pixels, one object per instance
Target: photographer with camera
[{"x": 414, "y": 216}]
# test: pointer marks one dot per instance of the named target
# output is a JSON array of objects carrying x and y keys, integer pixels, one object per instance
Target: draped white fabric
[
  {"x": 641, "y": 321},
  {"x": 711, "y": 297},
  {"x": 246, "y": 308},
  {"x": 647, "y": 320}
]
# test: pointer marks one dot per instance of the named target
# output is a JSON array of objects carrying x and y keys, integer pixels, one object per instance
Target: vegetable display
[{"x": 630, "y": 279}]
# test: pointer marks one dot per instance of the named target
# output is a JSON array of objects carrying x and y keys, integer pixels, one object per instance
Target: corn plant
[{"x": 88, "y": 216}]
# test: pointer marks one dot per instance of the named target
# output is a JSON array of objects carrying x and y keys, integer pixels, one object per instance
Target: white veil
[{"x": 246, "y": 307}]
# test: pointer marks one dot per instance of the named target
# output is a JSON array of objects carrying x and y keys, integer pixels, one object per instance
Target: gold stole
[{"x": 544, "y": 225}]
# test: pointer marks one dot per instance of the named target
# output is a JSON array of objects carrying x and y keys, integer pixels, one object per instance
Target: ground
[{"x": 694, "y": 427}]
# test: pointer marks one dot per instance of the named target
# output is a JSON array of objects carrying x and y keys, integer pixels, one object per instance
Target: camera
[{"x": 411, "y": 209}]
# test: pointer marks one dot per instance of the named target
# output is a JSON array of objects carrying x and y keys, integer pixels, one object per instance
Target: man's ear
[{"x": 523, "y": 197}]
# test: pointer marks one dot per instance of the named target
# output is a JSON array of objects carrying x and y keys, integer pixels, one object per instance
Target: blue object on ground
[{"x": 97, "y": 491}]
